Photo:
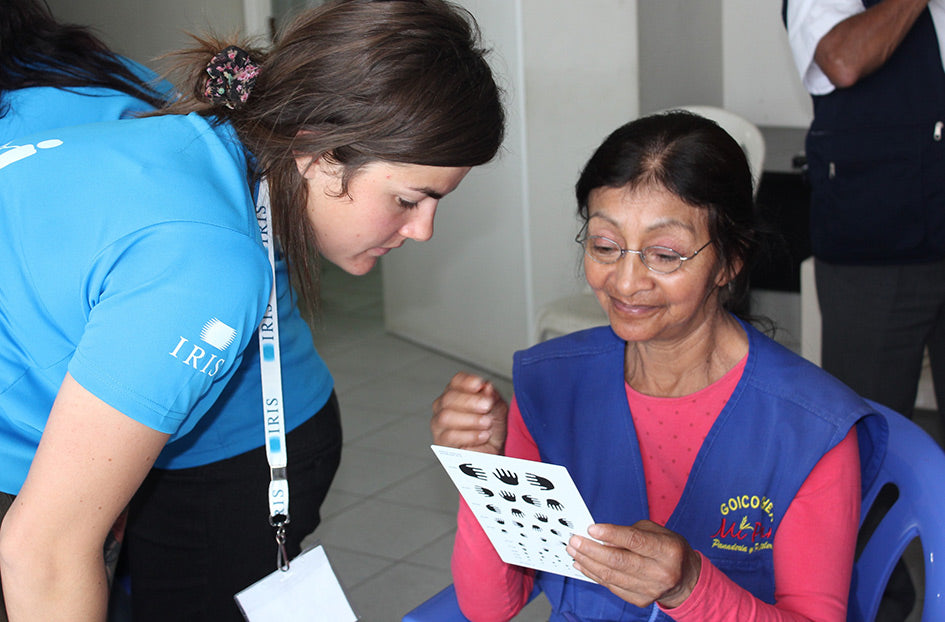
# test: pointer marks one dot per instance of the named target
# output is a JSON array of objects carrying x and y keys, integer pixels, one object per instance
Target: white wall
[
  {"x": 760, "y": 81},
  {"x": 456, "y": 292},
  {"x": 503, "y": 239},
  {"x": 729, "y": 53},
  {"x": 680, "y": 53},
  {"x": 144, "y": 29},
  {"x": 581, "y": 78}
]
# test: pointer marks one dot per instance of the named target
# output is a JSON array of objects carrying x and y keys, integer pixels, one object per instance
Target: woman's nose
[
  {"x": 419, "y": 225},
  {"x": 631, "y": 273}
]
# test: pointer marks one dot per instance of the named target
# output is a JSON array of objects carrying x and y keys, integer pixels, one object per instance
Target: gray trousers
[{"x": 877, "y": 322}]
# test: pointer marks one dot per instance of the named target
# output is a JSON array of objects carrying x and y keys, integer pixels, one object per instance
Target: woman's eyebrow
[
  {"x": 430, "y": 192},
  {"x": 671, "y": 223},
  {"x": 665, "y": 223}
]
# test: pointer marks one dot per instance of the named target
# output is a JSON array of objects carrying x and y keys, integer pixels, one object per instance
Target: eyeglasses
[{"x": 659, "y": 259}]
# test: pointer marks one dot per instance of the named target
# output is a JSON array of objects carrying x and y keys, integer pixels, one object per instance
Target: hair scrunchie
[{"x": 231, "y": 76}]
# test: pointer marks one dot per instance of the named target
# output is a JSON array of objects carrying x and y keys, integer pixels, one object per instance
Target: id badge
[{"x": 308, "y": 590}]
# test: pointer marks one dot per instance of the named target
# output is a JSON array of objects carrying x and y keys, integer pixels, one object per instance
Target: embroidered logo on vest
[{"x": 746, "y": 524}]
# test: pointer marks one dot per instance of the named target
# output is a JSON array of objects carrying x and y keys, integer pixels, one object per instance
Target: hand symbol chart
[
  {"x": 495, "y": 486},
  {"x": 472, "y": 471},
  {"x": 537, "y": 480},
  {"x": 506, "y": 477}
]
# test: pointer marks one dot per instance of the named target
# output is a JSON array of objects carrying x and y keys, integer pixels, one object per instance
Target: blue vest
[
  {"x": 876, "y": 158},
  {"x": 783, "y": 416}
]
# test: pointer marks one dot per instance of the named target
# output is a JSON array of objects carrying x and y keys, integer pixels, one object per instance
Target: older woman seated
[{"x": 724, "y": 470}]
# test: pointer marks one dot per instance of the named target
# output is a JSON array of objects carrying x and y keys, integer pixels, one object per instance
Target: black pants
[
  {"x": 5, "y": 502},
  {"x": 197, "y": 536}
]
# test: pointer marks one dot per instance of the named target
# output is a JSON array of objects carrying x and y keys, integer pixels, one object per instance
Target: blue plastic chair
[
  {"x": 442, "y": 607},
  {"x": 915, "y": 465}
]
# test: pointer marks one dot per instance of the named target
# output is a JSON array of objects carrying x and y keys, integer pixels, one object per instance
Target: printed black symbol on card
[
  {"x": 542, "y": 518},
  {"x": 519, "y": 525},
  {"x": 518, "y": 513},
  {"x": 472, "y": 471},
  {"x": 485, "y": 492},
  {"x": 539, "y": 481},
  {"x": 506, "y": 477},
  {"x": 532, "y": 500},
  {"x": 508, "y": 496},
  {"x": 493, "y": 508},
  {"x": 555, "y": 505},
  {"x": 556, "y": 532},
  {"x": 566, "y": 523},
  {"x": 501, "y": 521},
  {"x": 536, "y": 528}
]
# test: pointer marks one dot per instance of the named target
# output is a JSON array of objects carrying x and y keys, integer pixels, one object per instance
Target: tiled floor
[{"x": 388, "y": 521}]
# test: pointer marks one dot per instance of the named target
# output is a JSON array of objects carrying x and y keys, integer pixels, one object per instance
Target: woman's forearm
[{"x": 49, "y": 578}]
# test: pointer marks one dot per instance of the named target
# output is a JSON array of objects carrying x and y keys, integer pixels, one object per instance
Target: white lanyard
[{"x": 271, "y": 372}]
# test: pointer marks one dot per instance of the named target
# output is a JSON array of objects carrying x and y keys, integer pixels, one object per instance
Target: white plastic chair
[{"x": 571, "y": 313}]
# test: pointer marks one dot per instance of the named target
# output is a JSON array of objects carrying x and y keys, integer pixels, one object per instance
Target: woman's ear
[
  {"x": 727, "y": 275},
  {"x": 307, "y": 165}
]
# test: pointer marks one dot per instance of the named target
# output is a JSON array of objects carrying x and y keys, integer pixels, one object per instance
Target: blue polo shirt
[
  {"x": 132, "y": 261},
  {"x": 40, "y": 108}
]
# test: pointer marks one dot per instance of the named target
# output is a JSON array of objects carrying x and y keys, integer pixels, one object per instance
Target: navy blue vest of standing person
[
  {"x": 876, "y": 160},
  {"x": 783, "y": 416}
]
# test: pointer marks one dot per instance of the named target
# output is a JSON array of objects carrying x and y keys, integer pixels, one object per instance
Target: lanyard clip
[{"x": 282, "y": 560}]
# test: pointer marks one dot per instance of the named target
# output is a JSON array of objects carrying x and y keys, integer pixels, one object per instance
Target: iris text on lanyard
[{"x": 271, "y": 372}]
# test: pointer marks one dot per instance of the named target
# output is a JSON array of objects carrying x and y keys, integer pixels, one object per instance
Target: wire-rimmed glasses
[{"x": 661, "y": 259}]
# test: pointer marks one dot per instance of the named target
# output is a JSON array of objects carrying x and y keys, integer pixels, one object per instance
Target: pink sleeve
[
  {"x": 487, "y": 588},
  {"x": 813, "y": 553}
]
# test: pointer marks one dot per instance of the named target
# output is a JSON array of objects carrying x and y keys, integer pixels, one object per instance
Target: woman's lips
[{"x": 631, "y": 308}]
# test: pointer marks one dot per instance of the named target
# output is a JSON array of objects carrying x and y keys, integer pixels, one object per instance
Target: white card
[
  {"x": 309, "y": 591},
  {"x": 528, "y": 509}
]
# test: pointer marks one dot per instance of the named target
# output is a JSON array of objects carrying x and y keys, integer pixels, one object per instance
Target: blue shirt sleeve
[{"x": 170, "y": 310}]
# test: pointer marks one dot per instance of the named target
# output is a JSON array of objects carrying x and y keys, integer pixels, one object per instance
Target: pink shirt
[{"x": 813, "y": 551}]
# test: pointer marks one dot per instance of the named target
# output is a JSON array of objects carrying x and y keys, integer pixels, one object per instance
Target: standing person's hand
[
  {"x": 641, "y": 563},
  {"x": 470, "y": 414}
]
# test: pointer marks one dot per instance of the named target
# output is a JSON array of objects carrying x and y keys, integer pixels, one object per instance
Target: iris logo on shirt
[
  {"x": 14, "y": 153},
  {"x": 215, "y": 334},
  {"x": 218, "y": 334}
]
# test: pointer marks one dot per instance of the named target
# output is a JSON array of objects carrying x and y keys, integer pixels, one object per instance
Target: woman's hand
[
  {"x": 641, "y": 564},
  {"x": 470, "y": 414}
]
